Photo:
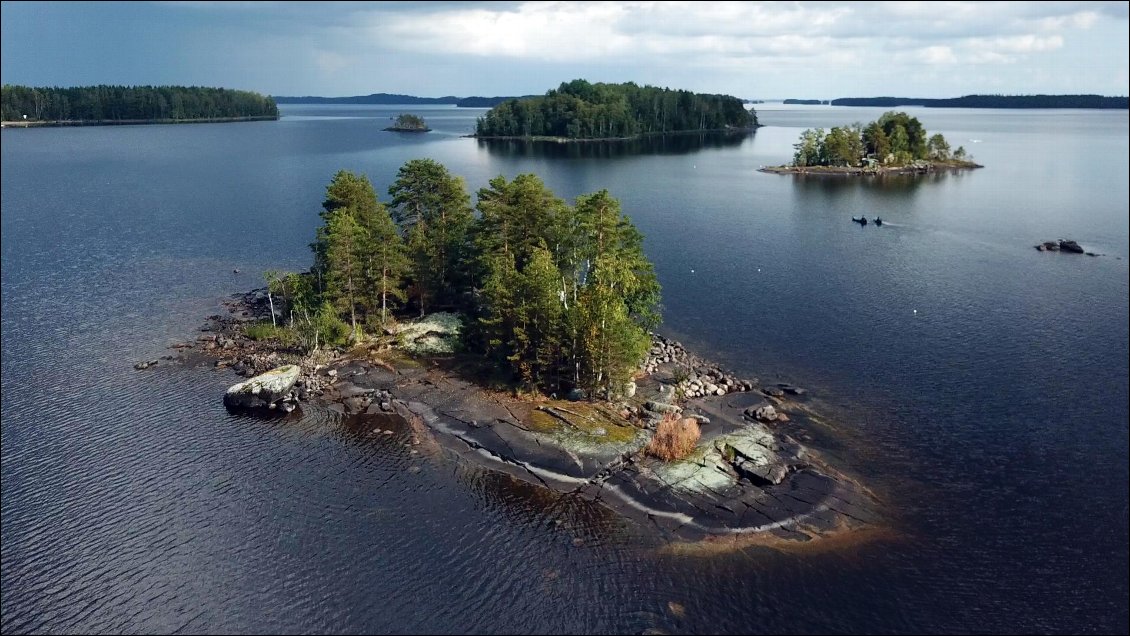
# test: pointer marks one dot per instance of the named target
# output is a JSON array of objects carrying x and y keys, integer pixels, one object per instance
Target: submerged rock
[{"x": 264, "y": 390}]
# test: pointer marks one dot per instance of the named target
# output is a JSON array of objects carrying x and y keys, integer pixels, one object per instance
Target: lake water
[{"x": 978, "y": 386}]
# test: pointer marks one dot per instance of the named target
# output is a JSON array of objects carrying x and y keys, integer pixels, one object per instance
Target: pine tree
[{"x": 434, "y": 210}]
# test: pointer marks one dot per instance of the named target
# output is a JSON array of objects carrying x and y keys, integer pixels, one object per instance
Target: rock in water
[{"x": 263, "y": 390}]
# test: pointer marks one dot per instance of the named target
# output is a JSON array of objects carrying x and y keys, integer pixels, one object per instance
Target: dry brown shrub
[{"x": 674, "y": 438}]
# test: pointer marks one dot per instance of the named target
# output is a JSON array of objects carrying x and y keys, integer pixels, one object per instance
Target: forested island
[
  {"x": 398, "y": 99},
  {"x": 992, "y": 101},
  {"x": 805, "y": 102},
  {"x": 103, "y": 105},
  {"x": 406, "y": 122},
  {"x": 896, "y": 142},
  {"x": 579, "y": 110},
  {"x": 520, "y": 338}
]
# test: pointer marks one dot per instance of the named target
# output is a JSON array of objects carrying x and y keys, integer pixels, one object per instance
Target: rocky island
[
  {"x": 896, "y": 143},
  {"x": 406, "y": 122},
  {"x": 547, "y": 368}
]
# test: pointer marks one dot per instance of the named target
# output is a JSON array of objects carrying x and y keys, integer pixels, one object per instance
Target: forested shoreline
[
  {"x": 84, "y": 105},
  {"x": 579, "y": 110},
  {"x": 992, "y": 101}
]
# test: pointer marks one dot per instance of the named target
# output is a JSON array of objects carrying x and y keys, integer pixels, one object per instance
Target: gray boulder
[{"x": 263, "y": 390}]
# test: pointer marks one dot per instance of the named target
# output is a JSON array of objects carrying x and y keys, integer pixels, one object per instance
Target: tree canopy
[
  {"x": 115, "y": 103},
  {"x": 581, "y": 110},
  {"x": 555, "y": 296},
  {"x": 895, "y": 139}
]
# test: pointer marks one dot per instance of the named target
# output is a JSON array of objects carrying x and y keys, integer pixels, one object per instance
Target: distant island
[
  {"x": 894, "y": 143},
  {"x": 24, "y": 106},
  {"x": 806, "y": 102},
  {"x": 397, "y": 99},
  {"x": 409, "y": 123},
  {"x": 582, "y": 111},
  {"x": 992, "y": 101}
]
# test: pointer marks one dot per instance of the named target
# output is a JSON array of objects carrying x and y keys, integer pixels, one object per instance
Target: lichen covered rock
[{"x": 263, "y": 390}]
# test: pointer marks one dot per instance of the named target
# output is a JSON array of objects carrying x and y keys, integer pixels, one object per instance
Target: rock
[
  {"x": 437, "y": 333},
  {"x": 263, "y": 390},
  {"x": 764, "y": 413},
  {"x": 332, "y": 373},
  {"x": 1070, "y": 246},
  {"x": 774, "y": 391},
  {"x": 576, "y": 395},
  {"x": 630, "y": 389},
  {"x": 711, "y": 388},
  {"x": 660, "y": 407}
]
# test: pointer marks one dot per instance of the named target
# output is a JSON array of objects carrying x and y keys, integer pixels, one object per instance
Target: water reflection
[{"x": 679, "y": 144}]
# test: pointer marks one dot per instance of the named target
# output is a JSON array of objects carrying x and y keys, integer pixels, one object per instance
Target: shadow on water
[
  {"x": 829, "y": 191},
  {"x": 403, "y": 444},
  {"x": 676, "y": 144}
]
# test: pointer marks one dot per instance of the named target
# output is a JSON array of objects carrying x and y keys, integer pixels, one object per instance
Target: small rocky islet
[{"x": 748, "y": 481}]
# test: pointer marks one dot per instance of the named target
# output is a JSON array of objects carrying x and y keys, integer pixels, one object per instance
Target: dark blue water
[{"x": 978, "y": 386}]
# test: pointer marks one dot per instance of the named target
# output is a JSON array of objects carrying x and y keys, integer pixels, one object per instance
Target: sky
[{"x": 753, "y": 50}]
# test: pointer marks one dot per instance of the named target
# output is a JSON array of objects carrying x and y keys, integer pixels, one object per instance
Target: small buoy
[
  {"x": 692, "y": 271},
  {"x": 759, "y": 269},
  {"x": 915, "y": 311}
]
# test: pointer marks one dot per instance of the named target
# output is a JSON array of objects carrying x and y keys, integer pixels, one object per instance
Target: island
[
  {"x": 522, "y": 340},
  {"x": 896, "y": 143},
  {"x": 582, "y": 111},
  {"x": 805, "y": 102},
  {"x": 406, "y": 122},
  {"x": 23, "y": 106},
  {"x": 992, "y": 101}
]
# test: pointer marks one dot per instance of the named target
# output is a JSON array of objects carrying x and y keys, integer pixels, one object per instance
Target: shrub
[
  {"x": 674, "y": 438},
  {"x": 266, "y": 331}
]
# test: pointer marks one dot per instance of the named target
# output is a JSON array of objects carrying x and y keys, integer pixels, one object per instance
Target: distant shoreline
[
  {"x": 132, "y": 122},
  {"x": 568, "y": 140}
]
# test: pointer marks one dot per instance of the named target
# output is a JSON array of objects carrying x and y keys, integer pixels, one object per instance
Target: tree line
[
  {"x": 558, "y": 296},
  {"x": 581, "y": 110},
  {"x": 895, "y": 139},
  {"x": 111, "y": 103},
  {"x": 991, "y": 101}
]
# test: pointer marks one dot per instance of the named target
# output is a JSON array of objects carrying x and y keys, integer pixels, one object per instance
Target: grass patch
[
  {"x": 266, "y": 332},
  {"x": 674, "y": 438}
]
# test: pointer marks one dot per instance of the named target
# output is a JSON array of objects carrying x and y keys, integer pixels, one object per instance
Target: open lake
[{"x": 977, "y": 386}]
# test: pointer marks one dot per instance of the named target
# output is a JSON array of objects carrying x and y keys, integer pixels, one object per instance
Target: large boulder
[
  {"x": 263, "y": 390},
  {"x": 436, "y": 333}
]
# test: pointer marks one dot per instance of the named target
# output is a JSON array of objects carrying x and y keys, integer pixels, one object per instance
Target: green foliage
[
  {"x": 433, "y": 207},
  {"x": 407, "y": 121},
  {"x": 98, "y": 103},
  {"x": 262, "y": 331},
  {"x": 567, "y": 293},
  {"x": 580, "y": 110},
  {"x": 895, "y": 139},
  {"x": 557, "y": 296},
  {"x": 360, "y": 259}
]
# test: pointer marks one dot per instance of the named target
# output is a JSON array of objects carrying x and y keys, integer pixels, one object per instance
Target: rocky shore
[{"x": 748, "y": 481}]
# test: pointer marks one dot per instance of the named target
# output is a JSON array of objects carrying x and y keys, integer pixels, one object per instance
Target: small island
[
  {"x": 521, "y": 339},
  {"x": 406, "y": 122},
  {"x": 582, "y": 111},
  {"x": 27, "y": 107},
  {"x": 896, "y": 143}
]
